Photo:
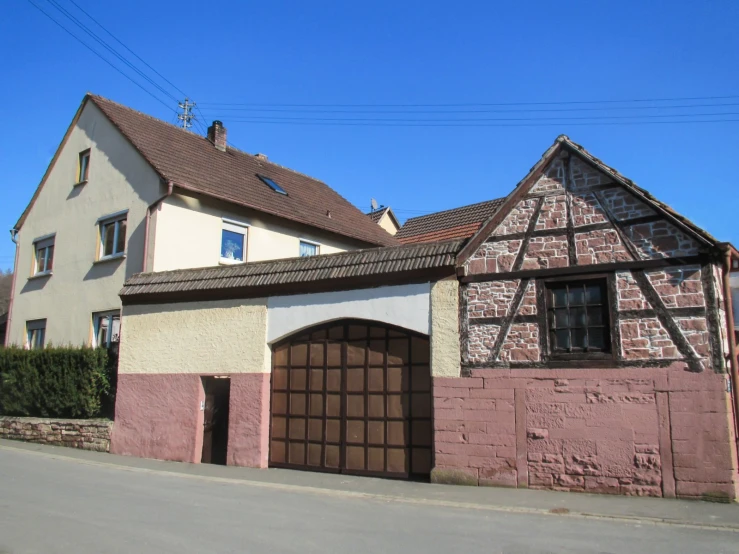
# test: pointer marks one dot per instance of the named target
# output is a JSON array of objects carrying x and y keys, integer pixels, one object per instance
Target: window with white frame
[
  {"x": 233, "y": 242},
  {"x": 107, "y": 328},
  {"x": 35, "y": 333},
  {"x": 43, "y": 250},
  {"x": 308, "y": 249},
  {"x": 112, "y": 236}
]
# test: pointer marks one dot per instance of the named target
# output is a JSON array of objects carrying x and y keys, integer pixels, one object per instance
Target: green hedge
[{"x": 64, "y": 382}]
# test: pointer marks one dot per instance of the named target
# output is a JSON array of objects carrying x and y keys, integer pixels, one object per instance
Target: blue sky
[{"x": 400, "y": 53}]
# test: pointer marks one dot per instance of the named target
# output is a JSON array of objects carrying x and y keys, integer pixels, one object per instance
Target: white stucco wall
[
  {"x": 387, "y": 223},
  {"x": 119, "y": 179},
  {"x": 224, "y": 336},
  {"x": 403, "y": 305},
  {"x": 188, "y": 234},
  {"x": 445, "y": 343}
]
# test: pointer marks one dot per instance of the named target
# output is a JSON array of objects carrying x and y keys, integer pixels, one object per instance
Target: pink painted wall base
[
  {"x": 159, "y": 416},
  {"x": 647, "y": 432}
]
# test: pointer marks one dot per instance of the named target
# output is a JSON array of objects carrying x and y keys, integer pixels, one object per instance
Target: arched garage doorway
[{"x": 352, "y": 396}]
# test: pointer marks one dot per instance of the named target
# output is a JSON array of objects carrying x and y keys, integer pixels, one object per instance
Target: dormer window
[
  {"x": 83, "y": 167},
  {"x": 271, "y": 184}
]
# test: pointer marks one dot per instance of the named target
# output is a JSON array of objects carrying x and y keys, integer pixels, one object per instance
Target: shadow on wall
[
  {"x": 146, "y": 184},
  {"x": 37, "y": 283}
]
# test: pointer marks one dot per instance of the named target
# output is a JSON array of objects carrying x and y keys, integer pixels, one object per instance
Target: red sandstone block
[
  {"x": 506, "y": 451},
  {"x": 504, "y": 383},
  {"x": 706, "y": 426},
  {"x": 501, "y": 418},
  {"x": 492, "y": 439},
  {"x": 605, "y": 485},
  {"x": 717, "y": 453},
  {"x": 699, "y": 402},
  {"x": 505, "y": 394},
  {"x": 540, "y": 479},
  {"x": 705, "y": 475},
  {"x": 448, "y": 392},
  {"x": 594, "y": 433},
  {"x": 460, "y": 426},
  {"x": 724, "y": 491},
  {"x": 458, "y": 382},
  {"x": 449, "y": 403},
  {"x": 547, "y": 446},
  {"x": 453, "y": 415},
  {"x": 488, "y": 463},
  {"x": 442, "y": 459},
  {"x": 449, "y": 437},
  {"x": 479, "y": 404},
  {"x": 451, "y": 448},
  {"x": 498, "y": 478},
  {"x": 681, "y": 459},
  {"x": 692, "y": 382},
  {"x": 504, "y": 406}
]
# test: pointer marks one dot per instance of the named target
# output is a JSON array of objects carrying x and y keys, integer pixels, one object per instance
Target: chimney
[{"x": 217, "y": 135}]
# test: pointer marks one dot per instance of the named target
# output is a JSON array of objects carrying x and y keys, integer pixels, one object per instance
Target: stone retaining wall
[{"x": 87, "y": 434}]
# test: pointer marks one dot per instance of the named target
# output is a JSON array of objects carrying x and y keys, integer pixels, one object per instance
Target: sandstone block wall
[
  {"x": 646, "y": 432},
  {"x": 87, "y": 434}
]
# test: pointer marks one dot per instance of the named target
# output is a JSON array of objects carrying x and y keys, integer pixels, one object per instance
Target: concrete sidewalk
[{"x": 685, "y": 513}]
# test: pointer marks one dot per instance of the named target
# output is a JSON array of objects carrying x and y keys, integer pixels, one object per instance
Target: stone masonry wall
[
  {"x": 646, "y": 432},
  {"x": 87, "y": 434}
]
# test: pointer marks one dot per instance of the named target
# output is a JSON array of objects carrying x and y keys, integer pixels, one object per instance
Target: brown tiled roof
[
  {"x": 293, "y": 273},
  {"x": 377, "y": 214},
  {"x": 458, "y": 223},
  {"x": 192, "y": 163}
]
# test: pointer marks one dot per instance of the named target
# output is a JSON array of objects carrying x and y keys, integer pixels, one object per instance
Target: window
[
  {"x": 113, "y": 236},
  {"x": 43, "y": 256},
  {"x": 233, "y": 242},
  {"x": 83, "y": 167},
  {"x": 308, "y": 249},
  {"x": 36, "y": 333},
  {"x": 578, "y": 317},
  {"x": 271, "y": 184},
  {"x": 107, "y": 327}
]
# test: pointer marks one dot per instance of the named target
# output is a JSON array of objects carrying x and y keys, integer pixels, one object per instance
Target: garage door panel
[{"x": 354, "y": 398}]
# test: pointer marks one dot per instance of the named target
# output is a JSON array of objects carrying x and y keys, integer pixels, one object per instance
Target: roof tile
[{"x": 191, "y": 162}]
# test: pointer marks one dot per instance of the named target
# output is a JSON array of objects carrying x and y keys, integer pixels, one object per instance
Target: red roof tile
[{"x": 450, "y": 224}]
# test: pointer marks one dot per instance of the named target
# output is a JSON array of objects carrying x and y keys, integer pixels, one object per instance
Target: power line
[
  {"x": 520, "y": 110},
  {"x": 83, "y": 43},
  {"x": 459, "y": 105},
  {"x": 109, "y": 48},
  {"x": 127, "y": 48},
  {"x": 517, "y": 124},
  {"x": 487, "y": 119}
]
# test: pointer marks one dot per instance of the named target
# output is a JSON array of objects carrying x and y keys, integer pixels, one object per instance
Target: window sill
[
  {"x": 41, "y": 275},
  {"x": 81, "y": 183},
  {"x": 112, "y": 258},
  {"x": 226, "y": 261}
]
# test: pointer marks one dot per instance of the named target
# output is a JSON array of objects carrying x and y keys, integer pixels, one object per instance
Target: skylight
[{"x": 271, "y": 184}]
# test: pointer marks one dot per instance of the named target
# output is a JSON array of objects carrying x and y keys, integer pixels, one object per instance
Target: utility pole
[{"x": 187, "y": 116}]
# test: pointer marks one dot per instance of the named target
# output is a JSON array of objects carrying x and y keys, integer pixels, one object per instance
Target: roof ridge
[
  {"x": 346, "y": 253},
  {"x": 97, "y": 97},
  {"x": 453, "y": 209}
]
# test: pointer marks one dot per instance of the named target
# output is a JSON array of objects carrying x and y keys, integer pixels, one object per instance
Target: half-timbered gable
[{"x": 577, "y": 228}]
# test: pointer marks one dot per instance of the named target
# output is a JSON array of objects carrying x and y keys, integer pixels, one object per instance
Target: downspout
[
  {"x": 149, "y": 211},
  {"x": 14, "y": 238},
  {"x": 732, "y": 338}
]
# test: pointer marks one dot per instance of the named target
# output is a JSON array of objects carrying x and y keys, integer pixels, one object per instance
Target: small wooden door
[{"x": 215, "y": 420}]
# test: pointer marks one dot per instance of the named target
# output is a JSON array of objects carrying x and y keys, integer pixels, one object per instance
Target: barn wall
[
  {"x": 645, "y": 432},
  {"x": 655, "y": 419}
]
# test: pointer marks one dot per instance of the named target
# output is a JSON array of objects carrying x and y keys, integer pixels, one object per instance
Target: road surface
[{"x": 50, "y": 505}]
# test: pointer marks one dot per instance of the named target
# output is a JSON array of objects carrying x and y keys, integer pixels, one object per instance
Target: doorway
[{"x": 215, "y": 419}]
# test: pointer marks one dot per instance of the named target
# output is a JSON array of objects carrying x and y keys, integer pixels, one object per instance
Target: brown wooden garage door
[{"x": 352, "y": 397}]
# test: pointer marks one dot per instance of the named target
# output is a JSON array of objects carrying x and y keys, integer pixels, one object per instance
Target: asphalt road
[{"x": 52, "y": 505}]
